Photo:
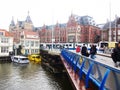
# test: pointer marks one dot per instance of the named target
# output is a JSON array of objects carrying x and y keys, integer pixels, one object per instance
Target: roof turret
[
  {"x": 12, "y": 22},
  {"x": 28, "y": 19}
]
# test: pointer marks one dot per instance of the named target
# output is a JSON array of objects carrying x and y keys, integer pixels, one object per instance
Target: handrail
[{"x": 86, "y": 67}]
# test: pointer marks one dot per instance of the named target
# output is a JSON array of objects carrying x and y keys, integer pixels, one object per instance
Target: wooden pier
[
  {"x": 52, "y": 62},
  {"x": 5, "y": 59}
]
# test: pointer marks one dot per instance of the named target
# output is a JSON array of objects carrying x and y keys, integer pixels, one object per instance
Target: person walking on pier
[
  {"x": 116, "y": 55},
  {"x": 78, "y": 49},
  {"x": 84, "y": 51},
  {"x": 93, "y": 51}
]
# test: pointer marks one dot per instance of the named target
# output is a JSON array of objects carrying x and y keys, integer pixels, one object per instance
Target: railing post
[
  {"x": 80, "y": 71},
  {"x": 88, "y": 74},
  {"x": 104, "y": 79},
  {"x": 72, "y": 60},
  {"x": 75, "y": 66}
]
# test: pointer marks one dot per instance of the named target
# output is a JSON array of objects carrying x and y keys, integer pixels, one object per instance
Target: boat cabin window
[
  {"x": 37, "y": 56},
  {"x": 24, "y": 58},
  {"x": 16, "y": 58},
  {"x": 103, "y": 44},
  {"x": 33, "y": 57},
  {"x": 70, "y": 44}
]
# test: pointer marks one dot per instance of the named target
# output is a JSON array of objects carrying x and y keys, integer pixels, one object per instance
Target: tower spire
[
  {"x": 28, "y": 12},
  {"x": 12, "y": 22},
  {"x": 71, "y": 12},
  {"x": 12, "y": 18},
  {"x": 28, "y": 19}
]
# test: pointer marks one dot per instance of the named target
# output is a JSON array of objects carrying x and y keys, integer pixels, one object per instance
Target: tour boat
[
  {"x": 20, "y": 59},
  {"x": 35, "y": 57}
]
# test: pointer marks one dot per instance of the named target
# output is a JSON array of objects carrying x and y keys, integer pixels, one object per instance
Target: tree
[{"x": 97, "y": 39}]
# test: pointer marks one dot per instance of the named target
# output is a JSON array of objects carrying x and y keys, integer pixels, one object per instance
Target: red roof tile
[
  {"x": 7, "y": 34},
  {"x": 26, "y": 32}
]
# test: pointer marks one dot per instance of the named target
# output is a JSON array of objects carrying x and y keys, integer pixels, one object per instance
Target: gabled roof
[
  {"x": 50, "y": 27},
  {"x": 107, "y": 25},
  {"x": 84, "y": 20},
  {"x": 21, "y": 23},
  {"x": 12, "y": 22},
  {"x": 6, "y": 33},
  {"x": 101, "y": 25},
  {"x": 30, "y": 33},
  {"x": 28, "y": 19},
  {"x": 63, "y": 25}
]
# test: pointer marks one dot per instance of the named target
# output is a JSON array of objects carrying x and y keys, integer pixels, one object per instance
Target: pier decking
[{"x": 52, "y": 61}]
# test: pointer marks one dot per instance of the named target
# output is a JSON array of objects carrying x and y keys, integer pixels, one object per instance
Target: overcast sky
[{"x": 52, "y": 11}]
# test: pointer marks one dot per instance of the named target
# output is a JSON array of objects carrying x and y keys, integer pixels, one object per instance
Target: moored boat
[
  {"x": 35, "y": 57},
  {"x": 20, "y": 59}
]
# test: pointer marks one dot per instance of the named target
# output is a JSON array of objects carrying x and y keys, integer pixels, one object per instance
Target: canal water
[{"x": 31, "y": 76}]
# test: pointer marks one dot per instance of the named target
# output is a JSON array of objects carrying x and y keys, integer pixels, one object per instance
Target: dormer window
[{"x": 1, "y": 33}]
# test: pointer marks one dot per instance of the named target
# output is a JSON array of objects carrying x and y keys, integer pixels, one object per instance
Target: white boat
[{"x": 20, "y": 59}]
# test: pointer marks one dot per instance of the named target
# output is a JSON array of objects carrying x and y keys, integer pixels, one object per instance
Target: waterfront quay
[
  {"x": 52, "y": 61},
  {"x": 5, "y": 59},
  {"x": 61, "y": 71},
  {"x": 89, "y": 74}
]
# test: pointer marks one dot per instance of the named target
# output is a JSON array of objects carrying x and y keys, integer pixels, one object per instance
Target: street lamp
[{"x": 74, "y": 43}]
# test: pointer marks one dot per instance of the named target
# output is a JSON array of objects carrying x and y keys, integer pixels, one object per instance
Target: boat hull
[
  {"x": 20, "y": 59},
  {"x": 34, "y": 57}
]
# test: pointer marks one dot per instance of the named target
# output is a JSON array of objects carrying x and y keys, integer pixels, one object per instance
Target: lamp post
[
  {"x": 115, "y": 28},
  {"x": 15, "y": 50},
  {"x": 74, "y": 43},
  {"x": 52, "y": 37}
]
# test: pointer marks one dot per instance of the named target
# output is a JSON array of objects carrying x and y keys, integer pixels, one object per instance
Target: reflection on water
[{"x": 31, "y": 76}]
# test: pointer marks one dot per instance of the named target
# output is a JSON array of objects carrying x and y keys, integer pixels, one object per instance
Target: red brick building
[
  {"x": 115, "y": 31},
  {"x": 20, "y": 26},
  {"x": 73, "y": 30},
  {"x": 78, "y": 29},
  {"x": 59, "y": 33},
  {"x": 46, "y": 34}
]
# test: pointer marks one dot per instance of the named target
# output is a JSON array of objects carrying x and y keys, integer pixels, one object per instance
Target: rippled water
[{"x": 30, "y": 77}]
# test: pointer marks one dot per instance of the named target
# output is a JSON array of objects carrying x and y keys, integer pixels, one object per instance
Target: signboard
[
  {"x": 32, "y": 36},
  {"x": 23, "y": 51},
  {"x": 53, "y": 40},
  {"x": 112, "y": 44}
]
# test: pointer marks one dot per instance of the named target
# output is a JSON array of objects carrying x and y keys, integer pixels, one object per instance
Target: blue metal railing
[{"x": 103, "y": 76}]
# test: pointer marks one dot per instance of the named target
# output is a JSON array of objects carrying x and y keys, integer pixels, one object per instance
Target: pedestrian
[
  {"x": 93, "y": 51},
  {"x": 104, "y": 48},
  {"x": 78, "y": 49},
  {"x": 84, "y": 51},
  {"x": 116, "y": 55}
]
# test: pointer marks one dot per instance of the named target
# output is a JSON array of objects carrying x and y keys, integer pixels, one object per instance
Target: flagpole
[
  {"x": 52, "y": 28},
  {"x": 110, "y": 38},
  {"x": 52, "y": 37},
  {"x": 115, "y": 27}
]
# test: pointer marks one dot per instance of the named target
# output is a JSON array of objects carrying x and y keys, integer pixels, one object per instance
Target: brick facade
[
  {"x": 78, "y": 29},
  {"x": 73, "y": 31},
  {"x": 115, "y": 30}
]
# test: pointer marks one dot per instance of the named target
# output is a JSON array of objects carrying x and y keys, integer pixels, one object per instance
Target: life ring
[{"x": 81, "y": 59}]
